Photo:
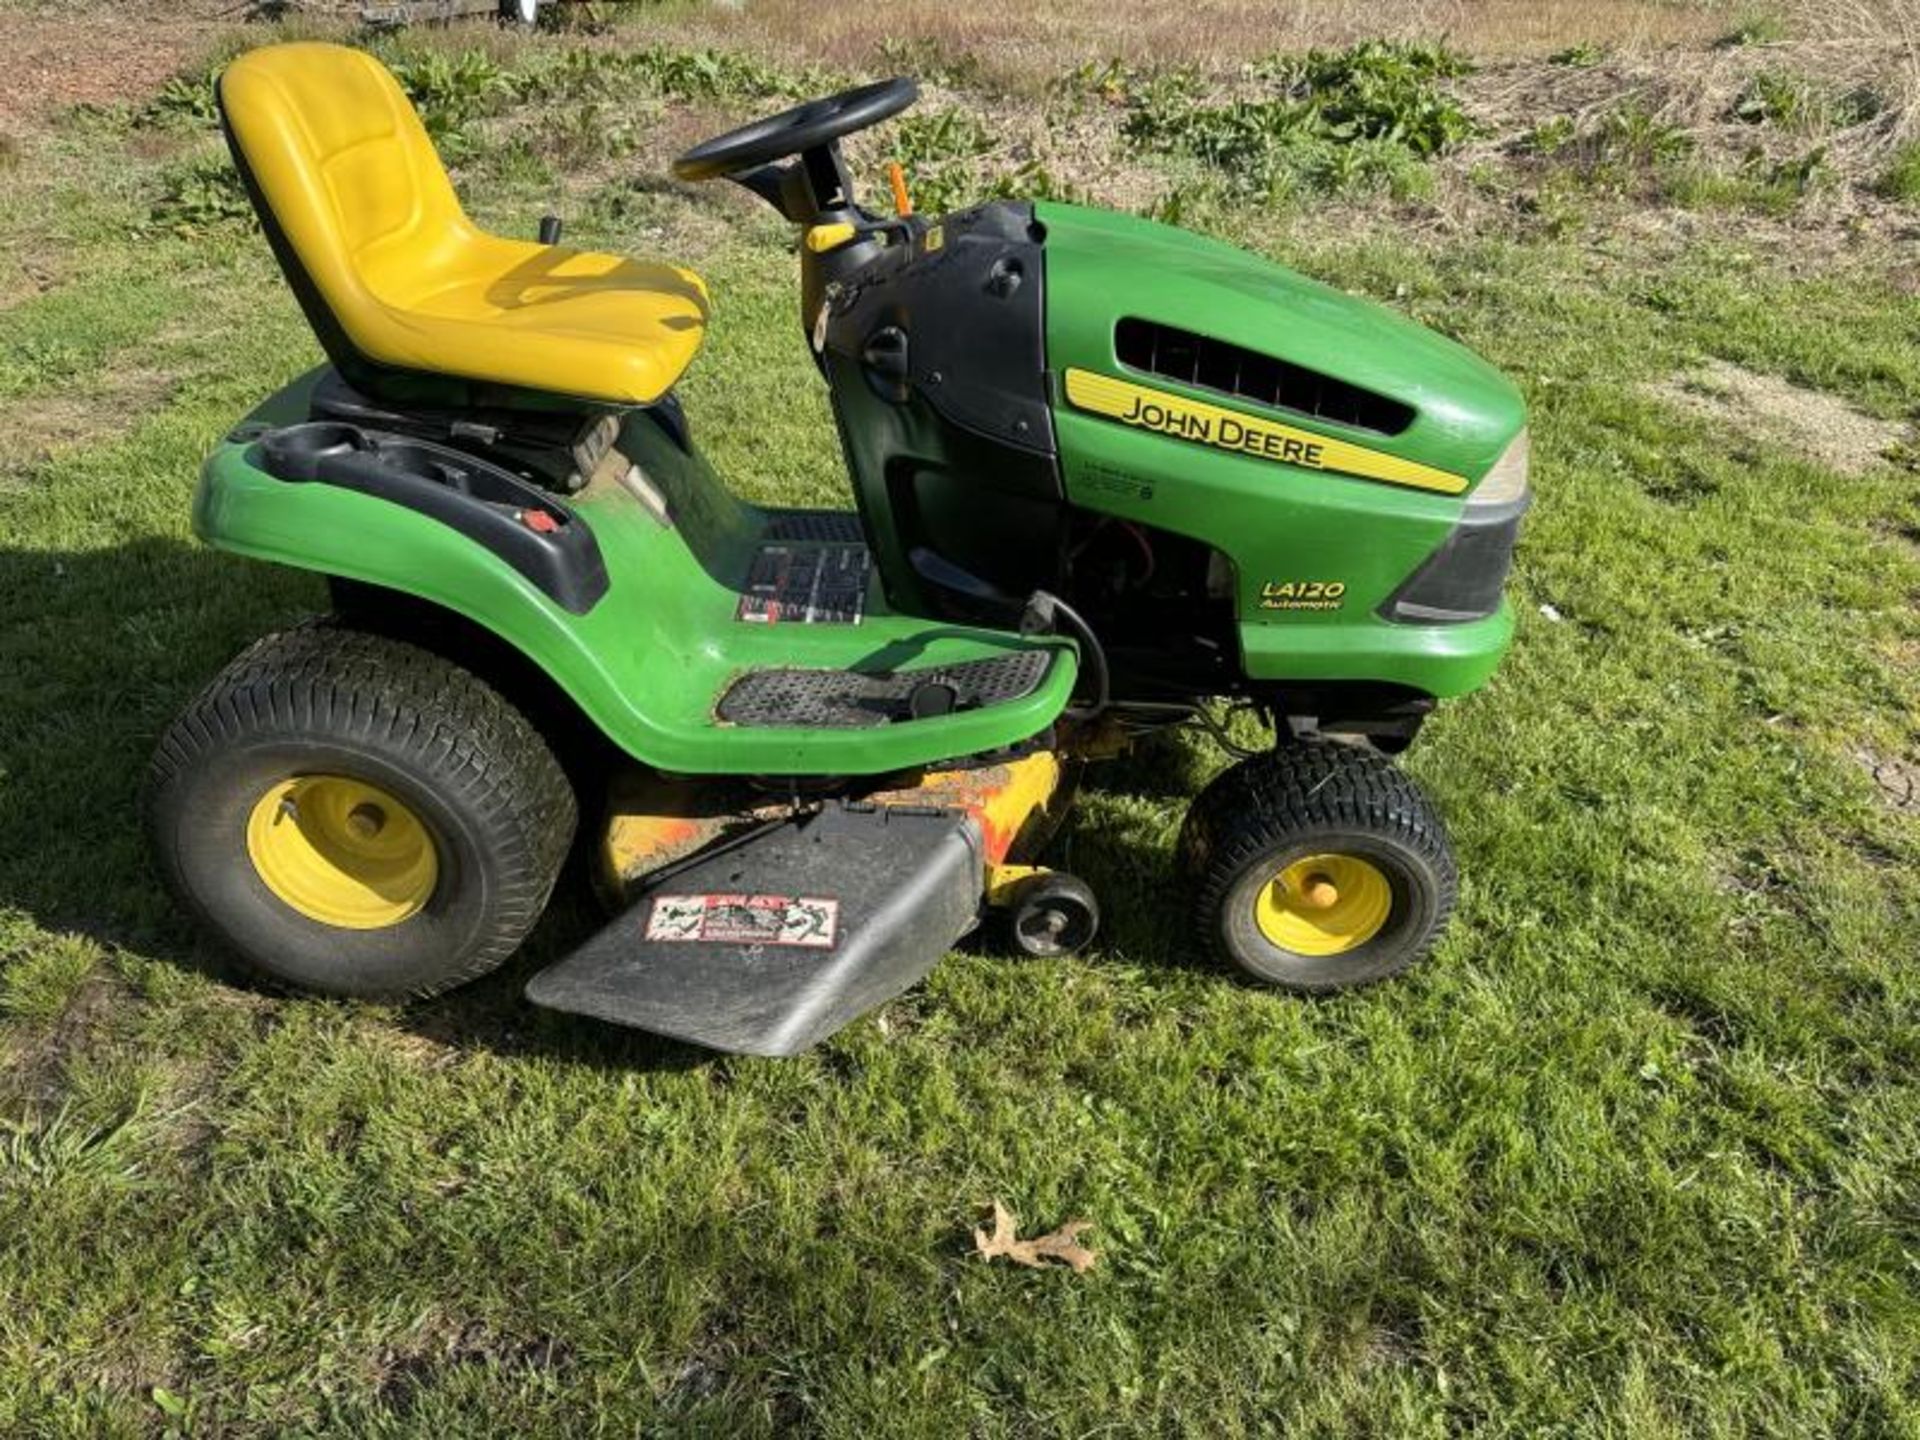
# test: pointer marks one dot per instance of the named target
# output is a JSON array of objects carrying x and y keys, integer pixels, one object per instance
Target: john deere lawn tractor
[{"x": 1108, "y": 479}]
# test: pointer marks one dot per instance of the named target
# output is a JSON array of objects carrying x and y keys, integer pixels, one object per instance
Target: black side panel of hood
[{"x": 959, "y": 316}]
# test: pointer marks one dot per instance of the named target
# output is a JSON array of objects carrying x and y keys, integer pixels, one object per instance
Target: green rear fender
[{"x": 649, "y": 661}]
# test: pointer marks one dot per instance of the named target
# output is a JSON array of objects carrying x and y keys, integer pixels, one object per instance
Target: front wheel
[
  {"x": 1317, "y": 867},
  {"x": 353, "y": 815}
]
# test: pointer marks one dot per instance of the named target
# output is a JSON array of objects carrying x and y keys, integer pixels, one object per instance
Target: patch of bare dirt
[
  {"x": 36, "y": 1067},
  {"x": 441, "y": 1345},
  {"x": 1819, "y": 425},
  {"x": 24, "y": 276},
  {"x": 39, "y": 428},
  {"x": 65, "y": 54}
]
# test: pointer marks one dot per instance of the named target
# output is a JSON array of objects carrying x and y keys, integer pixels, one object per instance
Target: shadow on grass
[
  {"x": 1145, "y": 904},
  {"x": 99, "y": 649},
  {"x": 492, "y": 1014},
  {"x": 1159, "y": 768}
]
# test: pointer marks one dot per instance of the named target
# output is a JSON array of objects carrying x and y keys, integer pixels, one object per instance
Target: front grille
[{"x": 1191, "y": 359}]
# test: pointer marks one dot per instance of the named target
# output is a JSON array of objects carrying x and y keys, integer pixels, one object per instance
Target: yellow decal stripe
[{"x": 1204, "y": 424}]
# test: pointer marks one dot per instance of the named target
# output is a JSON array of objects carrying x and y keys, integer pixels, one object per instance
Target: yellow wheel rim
[
  {"x": 1324, "y": 905},
  {"x": 342, "y": 852}
]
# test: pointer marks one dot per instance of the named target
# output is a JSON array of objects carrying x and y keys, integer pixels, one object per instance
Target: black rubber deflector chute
[{"x": 769, "y": 945}]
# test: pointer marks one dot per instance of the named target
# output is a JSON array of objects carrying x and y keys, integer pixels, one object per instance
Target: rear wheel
[
  {"x": 1317, "y": 867},
  {"x": 354, "y": 815}
]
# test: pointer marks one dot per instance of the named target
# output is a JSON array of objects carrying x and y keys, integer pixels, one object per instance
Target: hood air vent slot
[{"x": 1192, "y": 359}]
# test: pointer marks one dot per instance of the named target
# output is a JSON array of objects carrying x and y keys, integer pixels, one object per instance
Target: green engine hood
[{"x": 1102, "y": 267}]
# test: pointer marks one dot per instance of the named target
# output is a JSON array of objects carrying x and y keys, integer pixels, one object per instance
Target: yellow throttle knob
[{"x": 822, "y": 238}]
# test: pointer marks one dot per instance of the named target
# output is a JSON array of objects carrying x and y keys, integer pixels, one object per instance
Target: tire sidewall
[
  {"x": 1412, "y": 876},
  {"x": 206, "y": 847}
]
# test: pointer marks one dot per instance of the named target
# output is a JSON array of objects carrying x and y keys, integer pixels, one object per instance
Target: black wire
[{"x": 1094, "y": 655}]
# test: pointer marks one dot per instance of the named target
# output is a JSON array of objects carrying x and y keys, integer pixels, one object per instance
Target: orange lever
[{"x": 897, "y": 178}]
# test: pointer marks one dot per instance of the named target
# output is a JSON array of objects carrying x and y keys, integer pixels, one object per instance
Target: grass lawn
[{"x": 1637, "y": 1152}]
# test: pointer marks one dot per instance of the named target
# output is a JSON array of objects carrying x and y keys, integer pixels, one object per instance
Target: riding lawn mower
[{"x": 1109, "y": 479}]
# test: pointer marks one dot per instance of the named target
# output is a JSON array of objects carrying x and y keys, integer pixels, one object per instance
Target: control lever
[
  {"x": 549, "y": 229},
  {"x": 936, "y": 569},
  {"x": 1042, "y": 616}
]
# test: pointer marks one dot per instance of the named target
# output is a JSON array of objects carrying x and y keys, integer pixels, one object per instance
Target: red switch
[{"x": 539, "y": 521}]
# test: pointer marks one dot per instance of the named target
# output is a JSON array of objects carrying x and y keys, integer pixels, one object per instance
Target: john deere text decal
[{"x": 1214, "y": 425}]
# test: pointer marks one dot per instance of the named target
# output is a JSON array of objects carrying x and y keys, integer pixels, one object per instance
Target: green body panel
[
  {"x": 648, "y": 663},
  {"x": 1280, "y": 524}
]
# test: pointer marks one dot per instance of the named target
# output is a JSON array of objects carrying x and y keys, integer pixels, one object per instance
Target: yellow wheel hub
[
  {"x": 1324, "y": 905},
  {"x": 342, "y": 852}
]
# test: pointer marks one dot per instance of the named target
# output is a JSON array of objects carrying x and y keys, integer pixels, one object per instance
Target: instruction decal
[
  {"x": 806, "y": 585},
  {"x": 807, "y": 921}
]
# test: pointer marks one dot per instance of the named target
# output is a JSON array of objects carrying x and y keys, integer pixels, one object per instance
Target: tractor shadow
[
  {"x": 100, "y": 649},
  {"x": 492, "y": 1014}
]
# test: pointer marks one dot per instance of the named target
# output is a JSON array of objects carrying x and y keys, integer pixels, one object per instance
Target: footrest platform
[{"x": 845, "y": 699}]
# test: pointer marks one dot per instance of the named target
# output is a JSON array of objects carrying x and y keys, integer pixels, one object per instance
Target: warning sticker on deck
[
  {"x": 806, "y": 585},
  {"x": 804, "y": 920}
]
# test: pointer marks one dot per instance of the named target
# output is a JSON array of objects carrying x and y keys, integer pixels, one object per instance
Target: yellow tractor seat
[{"x": 393, "y": 274}]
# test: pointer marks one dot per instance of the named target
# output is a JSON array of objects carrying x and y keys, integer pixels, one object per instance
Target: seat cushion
[
  {"x": 352, "y": 184},
  {"x": 570, "y": 321}
]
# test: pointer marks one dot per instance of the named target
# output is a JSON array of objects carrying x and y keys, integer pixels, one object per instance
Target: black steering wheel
[{"x": 805, "y": 127}]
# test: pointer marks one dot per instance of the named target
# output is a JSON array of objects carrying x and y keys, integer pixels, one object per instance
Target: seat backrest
[{"x": 348, "y": 187}]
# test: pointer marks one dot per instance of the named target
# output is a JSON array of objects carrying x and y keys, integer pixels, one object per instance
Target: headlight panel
[{"x": 1507, "y": 480}]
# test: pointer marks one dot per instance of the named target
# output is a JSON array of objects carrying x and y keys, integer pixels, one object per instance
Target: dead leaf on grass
[
  {"x": 1897, "y": 778},
  {"x": 1061, "y": 1246}
]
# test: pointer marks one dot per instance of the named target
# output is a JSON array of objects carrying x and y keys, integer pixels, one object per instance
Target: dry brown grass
[
  {"x": 37, "y": 428},
  {"x": 1883, "y": 34},
  {"x": 1023, "y": 41},
  {"x": 1834, "y": 50},
  {"x": 1820, "y": 425}
]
